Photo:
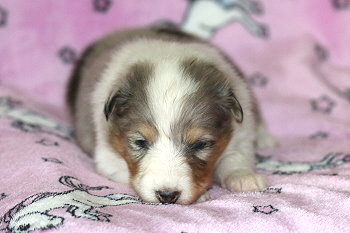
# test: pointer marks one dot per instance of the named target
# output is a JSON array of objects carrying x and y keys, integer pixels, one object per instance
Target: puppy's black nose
[{"x": 168, "y": 196}]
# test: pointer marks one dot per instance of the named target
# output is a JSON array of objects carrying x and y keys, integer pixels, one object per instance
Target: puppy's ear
[
  {"x": 116, "y": 103},
  {"x": 232, "y": 104}
]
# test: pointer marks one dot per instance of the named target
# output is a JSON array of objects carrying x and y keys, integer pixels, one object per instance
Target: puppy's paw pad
[{"x": 245, "y": 182}]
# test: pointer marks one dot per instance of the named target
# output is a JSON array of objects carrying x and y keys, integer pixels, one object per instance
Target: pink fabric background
[{"x": 286, "y": 70}]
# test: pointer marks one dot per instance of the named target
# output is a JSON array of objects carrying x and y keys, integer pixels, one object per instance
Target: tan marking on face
[
  {"x": 119, "y": 144},
  {"x": 193, "y": 134},
  {"x": 148, "y": 132},
  {"x": 203, "y": 178}
]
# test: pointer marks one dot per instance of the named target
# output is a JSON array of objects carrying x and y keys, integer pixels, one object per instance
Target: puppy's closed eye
[
  {"x": 142, "y": 143},
  {"x": 201, "y": 145},
  {"x": 138, "y": 146},
  {"x": 138, "y": 142}
]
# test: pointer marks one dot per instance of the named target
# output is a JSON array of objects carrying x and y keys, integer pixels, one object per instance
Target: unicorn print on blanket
[
  {"x": 329, "y": 161},
  {"x": 33, "y": 213},
  {"x": 30, "y": 121},
  {"x": 205, "y": 17}
]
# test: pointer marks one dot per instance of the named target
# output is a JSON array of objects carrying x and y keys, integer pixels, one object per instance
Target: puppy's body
[{"x": 163, "y": 110}]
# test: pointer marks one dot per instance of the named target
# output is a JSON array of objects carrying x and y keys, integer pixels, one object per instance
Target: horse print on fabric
[
  {"x": 329, "y": 161},
  {"x": 33, "y": 213},
  {"x": 30, "y": 121},
  {"x": 205, "y": 17}
]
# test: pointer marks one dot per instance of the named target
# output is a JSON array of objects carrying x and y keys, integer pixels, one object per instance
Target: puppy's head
[{"x": 171, "y": 122}]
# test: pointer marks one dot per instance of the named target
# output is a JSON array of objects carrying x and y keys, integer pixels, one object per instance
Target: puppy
[{"x": 168, "y": 113}]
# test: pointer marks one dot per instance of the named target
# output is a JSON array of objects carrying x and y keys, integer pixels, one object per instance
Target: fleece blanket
[{"x": 295, "y": 55}]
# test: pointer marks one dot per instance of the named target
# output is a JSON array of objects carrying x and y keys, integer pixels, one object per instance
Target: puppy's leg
[
  {"x": 236, "y": 172},
  {"x": 110, "y": 164},
  {"x": 264, "y": 138}
]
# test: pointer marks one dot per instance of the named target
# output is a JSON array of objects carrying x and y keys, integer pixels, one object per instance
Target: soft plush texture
[{"x": 295, "y": 55}]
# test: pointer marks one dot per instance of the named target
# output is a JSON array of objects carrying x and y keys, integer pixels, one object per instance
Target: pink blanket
[{"x": 296, "y": 57}]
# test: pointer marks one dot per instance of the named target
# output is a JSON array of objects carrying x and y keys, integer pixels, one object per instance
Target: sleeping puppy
[{"x": 168, "y": 113}]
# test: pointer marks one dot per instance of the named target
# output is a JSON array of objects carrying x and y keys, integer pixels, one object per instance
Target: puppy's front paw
[
  {"x": 205, "y": 197},
  {"x": 244, "y": 181}
]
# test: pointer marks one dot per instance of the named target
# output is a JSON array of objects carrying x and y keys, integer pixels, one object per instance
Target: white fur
[
  {"x": 236, "y": 165},
  {"x": 164, "y": 167},
  {"x": 111, "y": 165}
]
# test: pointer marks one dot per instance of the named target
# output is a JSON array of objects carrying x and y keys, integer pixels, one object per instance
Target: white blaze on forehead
[
  {"x": 167, "y": 91},
  {"x": 164, "y": 167}
]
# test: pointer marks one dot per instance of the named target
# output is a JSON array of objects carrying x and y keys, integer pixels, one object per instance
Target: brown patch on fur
[
  {"x": 215, "y": 93},
  {"x": 193, "y": 134},
  {"x": 203, "y": 176},
  {"x": 149, "y": 132},
  {"x": 129, "y": 112},
  {"x": 119, "y": 144},
  {"x": 213, "y": 109}
]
